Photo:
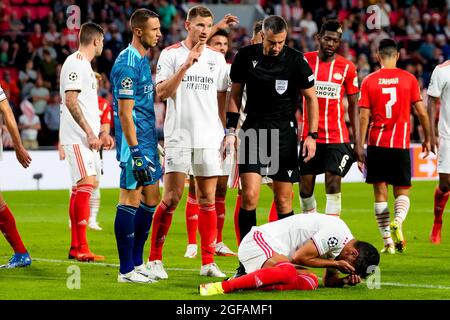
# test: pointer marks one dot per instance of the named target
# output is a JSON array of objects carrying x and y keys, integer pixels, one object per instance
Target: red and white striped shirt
[
  {"x": 332, "y": 80},
  {"x": 389, "y": 93}
]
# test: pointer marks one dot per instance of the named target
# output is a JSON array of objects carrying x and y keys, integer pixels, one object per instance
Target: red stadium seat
[
  {"x": 33, "y": 1},
  {"x": 17, "y": 2},
  {"x": 43, "y": 12}
]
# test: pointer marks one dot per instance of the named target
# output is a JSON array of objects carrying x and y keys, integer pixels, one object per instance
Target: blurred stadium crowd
[{"x": 35, "y": 40}]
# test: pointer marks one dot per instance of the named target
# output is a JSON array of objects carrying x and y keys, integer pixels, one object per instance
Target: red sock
[
  {"x": 440, "y": 200},
  {"x": 220, "y": 210},
  {"x": 303, "y": 282},
  {"x": 9, "y": 229},
  {"x": 207, "y": 223},
  {"x": 161, "y": 224},
  {"x": 273, "y": 215},
  {"x": 73, "y": 223},
  {"x": 283, "y": 273},
  {"x": 82, "y": 210},
  {"x": 236, "y": 219},
  {"x": 192, "y": 218}
]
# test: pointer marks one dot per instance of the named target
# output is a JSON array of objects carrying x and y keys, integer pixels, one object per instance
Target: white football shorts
[
  {"x": 444, "y": 155},
  {"x": 203, "y": 162},
  {"x": 83, "y": 162}
]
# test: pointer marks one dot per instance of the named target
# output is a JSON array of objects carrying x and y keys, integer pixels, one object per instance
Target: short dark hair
[
  {"x": 274, "y": 23},
  {"x": 220, "y": 32},
  {"x": 257, "y": 27},
  {"x": 367, "y": 256},
  {"x": 387, "y": 48},
  {"x": 140, "y": 17},
  {"x": 331, "y": 25},
  {"x": 201, "y": 11},
  {"x": 89, "y": 31}
]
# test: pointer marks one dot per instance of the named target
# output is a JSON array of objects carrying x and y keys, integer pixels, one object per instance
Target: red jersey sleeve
[
  {"x": 105, "y": 112},
  {"x": 364, "y": 95},
  {"x": 415, "y": 91},
  {"x": 351, "y": 80}
]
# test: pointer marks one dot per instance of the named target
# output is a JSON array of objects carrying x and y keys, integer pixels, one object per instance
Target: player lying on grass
[{"x": 271, "y": 254}]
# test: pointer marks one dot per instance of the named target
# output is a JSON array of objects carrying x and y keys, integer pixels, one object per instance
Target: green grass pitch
[{"x": 421, "y": 272}]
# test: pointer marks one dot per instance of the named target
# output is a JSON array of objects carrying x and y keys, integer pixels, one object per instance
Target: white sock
[
  {"x": 334, "y": 205},
  {"x": 309, "y": 205},
  {"x": 401, "y": 208},
  {"x": 383, "y": 220},
  {"x": 94, "y": 204}
]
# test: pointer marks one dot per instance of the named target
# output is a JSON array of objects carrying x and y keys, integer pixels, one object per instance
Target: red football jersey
[
  {"x": 105, "y": 110},
  {"x": 389, "y": 93},
  {"x": 332, "y": 80}
]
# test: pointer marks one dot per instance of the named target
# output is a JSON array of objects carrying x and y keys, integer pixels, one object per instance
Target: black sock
[
  {"x": 285, "y": 215},
  {"x": 247, "y": 219}
]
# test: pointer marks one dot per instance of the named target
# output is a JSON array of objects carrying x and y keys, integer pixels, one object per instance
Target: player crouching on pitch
[{"x": 275, "y": 253}]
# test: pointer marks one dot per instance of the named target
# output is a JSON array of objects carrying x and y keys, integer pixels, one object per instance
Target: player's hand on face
[
  {"x": 194, "y": 54},
  {"x": 352, "y": 280},
  {"x": 22, "y": 156},
  {"x": 94, "y": 142},
  {"x": 309, "y": 149},
  {"x": 107, "y": 141},
  {"x": 344, "y": 266}
]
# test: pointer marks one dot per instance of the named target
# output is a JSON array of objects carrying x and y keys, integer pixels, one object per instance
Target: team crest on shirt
[
  {"x": 337, "y": 76},
  {"x": 73, "y": 76},
  {"x": 281, "y": 86},
  {"x": 332, "y": 242},
  {"x": 127, "y": 83},
  {"x": 212, "y": 65}
]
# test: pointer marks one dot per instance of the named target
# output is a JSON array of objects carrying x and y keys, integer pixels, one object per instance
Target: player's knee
[
  {"x": 249, "y": 199},
  {"x": 288, "y": 272},
  {"x": 307, "y": 281},
  {"x": 333, "y": 188},
  {"x": 171, "y": 199}
]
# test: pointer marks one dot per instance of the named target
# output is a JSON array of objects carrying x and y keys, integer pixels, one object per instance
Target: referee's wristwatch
[{"x": 313, "y": 135}]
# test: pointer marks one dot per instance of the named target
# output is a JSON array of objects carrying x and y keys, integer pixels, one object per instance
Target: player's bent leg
[
  {"x": 191, "y": 220},
  {"x": 307, "y": 199},
  {"x": 283, "y": 198},
  {"x": 221, "y": 190},
  {"x": 441, "y": 195},
  {"x": 401, "y": 208},
  {"x": 333, "y": 194}
]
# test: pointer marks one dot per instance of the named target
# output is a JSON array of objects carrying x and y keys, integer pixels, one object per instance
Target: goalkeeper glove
[{"x": 142, "y": 166}]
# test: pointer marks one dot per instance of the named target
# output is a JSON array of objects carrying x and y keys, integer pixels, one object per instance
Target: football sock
[
  {"x": 9, "y": 229},
  {"x": 309, "y": 204},
  {"x": 302, "y": 282},
  {"x": 124, "y": 231},
  {"x": 440, "y": 200},
  {"x": 192, "y": 218},
  {"x": 162, "y": 220},
  {"x": 273, "y": 215},
  {"x": 142, "y": 223},
  {"x": 247, "y": 219},
  {"x": 383, "y": 220},
  {"x": 220, "y": 210},
  {"x": 81, "y": 208},
  {"x": 207, "y": 226},
  {"x": 333, "y": 206},
  {"x": 236, "y": 218},
  {"x": 282, "y": 273},
  {"x": 285, "y": 215},
  {"x": 401, "y": 207},
  {"x": 94, "y": 204},
  {"x": 73, "y": 222}
]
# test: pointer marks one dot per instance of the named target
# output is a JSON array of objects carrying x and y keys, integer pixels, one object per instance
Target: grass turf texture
[{"x": 421, "y": 272}]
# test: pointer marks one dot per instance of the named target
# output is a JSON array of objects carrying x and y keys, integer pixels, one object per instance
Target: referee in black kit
[{"x": 273, "y": 75}]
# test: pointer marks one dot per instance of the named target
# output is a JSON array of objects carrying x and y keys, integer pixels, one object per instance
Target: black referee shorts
[
  {"x": 269, "y": 148},
  {"x": 332, "y": 157},
  {"x": 389, "y": 165}
]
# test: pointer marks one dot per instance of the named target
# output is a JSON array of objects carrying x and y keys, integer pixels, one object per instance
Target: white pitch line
[{"x": 388, "y": 284}]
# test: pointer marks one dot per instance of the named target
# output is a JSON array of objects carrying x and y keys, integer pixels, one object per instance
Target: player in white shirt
[
  {"x": 439, "y": 89},
  {"x": 272, "y": 253},
  {"x": 21, "y": 258},
  {"x": 80, "y": 134},
  {"x": 193, "y": 79}
]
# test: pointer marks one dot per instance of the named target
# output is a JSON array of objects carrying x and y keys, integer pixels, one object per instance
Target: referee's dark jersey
[{"x": 272, "y": 82}]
